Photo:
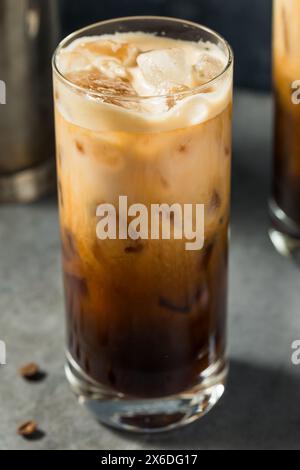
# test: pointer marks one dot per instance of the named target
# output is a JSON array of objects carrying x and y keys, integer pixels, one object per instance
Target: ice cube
[
  {"x": 111, "y": 90},
  {"x": 207, "y": 68},
  {"x": 175, "y": 94},
  {"x": 162, "y": 67},
  {"x": 125, "y": 53},
  {"x": 95, "y": 81},
  {"x": 111, "y": 68},
  {"x": 215, "y": 201},
  {"x": 73, "y": 61}
]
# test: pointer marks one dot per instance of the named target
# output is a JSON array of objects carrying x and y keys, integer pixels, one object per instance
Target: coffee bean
[
  {"x": 69, "y": 245},
  {"x": 77, "y": 286},
  {"x": 31, "y": 372},
  {"x": 27, "y": 429}
]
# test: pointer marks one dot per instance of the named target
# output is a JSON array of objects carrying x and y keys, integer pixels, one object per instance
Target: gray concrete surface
[{"x": 261, "y": 406}]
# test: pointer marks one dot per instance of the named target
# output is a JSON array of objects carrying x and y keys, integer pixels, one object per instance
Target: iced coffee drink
[
  {"x": 285, "y": 205},
  {"x": 143, "y": 120}
]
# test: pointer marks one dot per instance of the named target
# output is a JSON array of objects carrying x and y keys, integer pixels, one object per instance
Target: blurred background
[
  {"x": 246, "y": 24},
  {"x": 31, "y": 29}
]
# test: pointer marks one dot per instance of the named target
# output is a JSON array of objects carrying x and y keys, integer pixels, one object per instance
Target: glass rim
[{"x": 100, "y": 94}]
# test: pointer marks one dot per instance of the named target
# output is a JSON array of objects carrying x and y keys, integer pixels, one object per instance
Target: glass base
[
  {"x": 28, "y": 185},
  {"x": 148, "y": 415},
  {"x": 284, "y": 233}
]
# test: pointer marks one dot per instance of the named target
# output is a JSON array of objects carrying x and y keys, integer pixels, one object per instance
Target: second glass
[
  {"x": 285, "y": 202},
  {"x": 146, "y": 318}
]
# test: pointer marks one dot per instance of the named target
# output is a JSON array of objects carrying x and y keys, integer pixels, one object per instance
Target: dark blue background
[{"x": 246, "y": 24}]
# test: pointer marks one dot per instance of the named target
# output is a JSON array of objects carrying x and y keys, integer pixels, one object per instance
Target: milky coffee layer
[{"x": 141, "y": 83}]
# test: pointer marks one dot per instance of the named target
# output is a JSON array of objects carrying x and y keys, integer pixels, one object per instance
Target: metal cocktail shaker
[{"x": 28, "y": 36}]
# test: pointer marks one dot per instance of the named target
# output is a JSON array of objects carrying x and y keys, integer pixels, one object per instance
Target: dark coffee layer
[{"x": 143, "y": 336}]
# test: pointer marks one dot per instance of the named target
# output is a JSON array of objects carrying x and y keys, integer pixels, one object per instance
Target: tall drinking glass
[
  {"x": 145, "y": 303},
  {"x": 285, "y": 202}
]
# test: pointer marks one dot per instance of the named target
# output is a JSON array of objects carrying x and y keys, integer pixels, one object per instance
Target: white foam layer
[{"x": 140, "y": 114}]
